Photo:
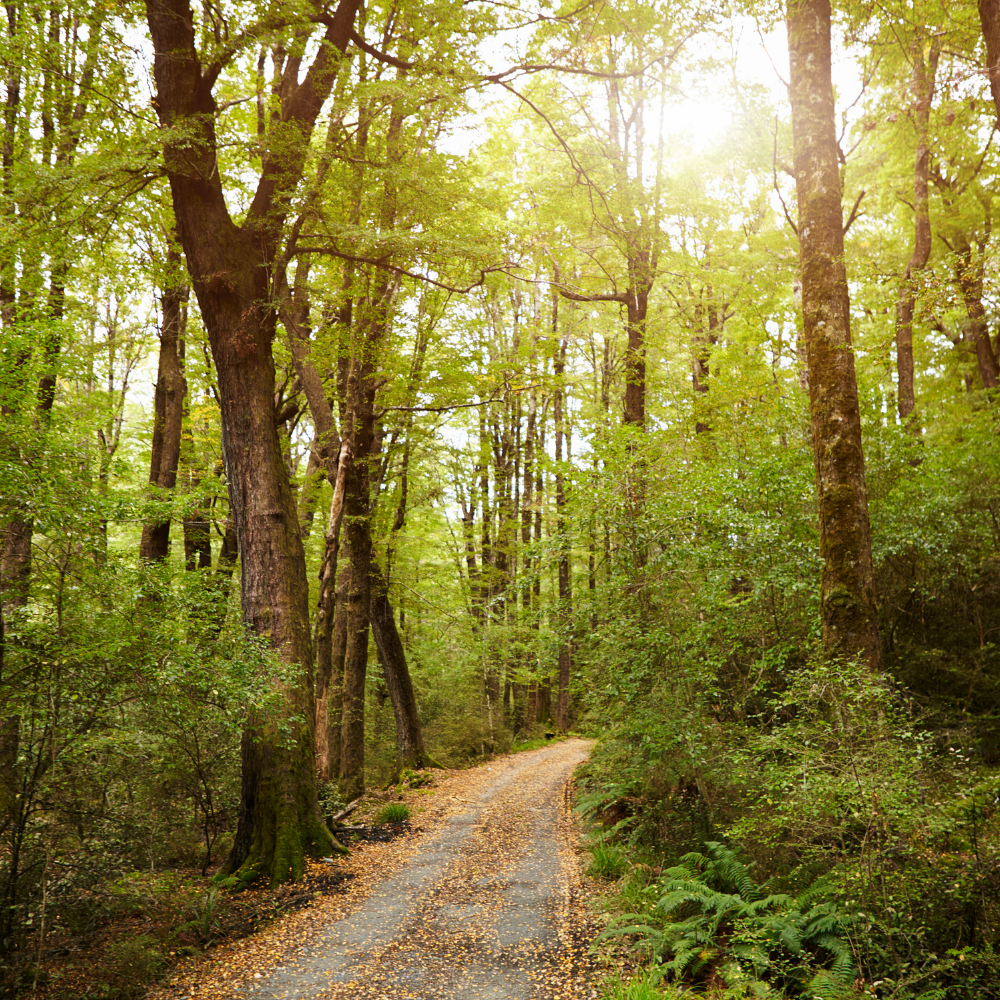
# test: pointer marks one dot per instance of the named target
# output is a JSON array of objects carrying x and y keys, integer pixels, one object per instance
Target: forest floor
[{"x": 485, "y": 899}]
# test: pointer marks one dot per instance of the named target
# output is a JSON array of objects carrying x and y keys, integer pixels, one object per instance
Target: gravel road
[{"x": 481, "y": 909}]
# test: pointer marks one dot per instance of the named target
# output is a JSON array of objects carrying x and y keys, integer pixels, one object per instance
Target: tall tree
[
  {"x": 925, "y": 54},
  {"x": 847, "y": 600},
  {"x": 231, "y": 268}
]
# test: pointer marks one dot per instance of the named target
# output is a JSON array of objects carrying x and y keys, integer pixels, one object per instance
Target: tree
[
  {"x": 231, "y": 269},
  {"x": 847, "y": 601},
  {"x": 925, "y": 54},
  {"x": 168, "y": 401}
]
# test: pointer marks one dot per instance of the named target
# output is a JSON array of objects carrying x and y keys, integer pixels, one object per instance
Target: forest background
[{"x": 681, "y": 435}]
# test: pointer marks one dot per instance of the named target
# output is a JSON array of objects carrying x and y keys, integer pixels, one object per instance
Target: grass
[
  {"x": 609, "y": 861},
  {"x": 643, "y": 986},
  {"x": 394, "y": 812}
]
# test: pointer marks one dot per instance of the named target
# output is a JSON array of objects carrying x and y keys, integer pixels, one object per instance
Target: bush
[
  {"x": 713, "y": 921},
  {"x": 394, "y": 812},
  {"x": 133, "y": 965},
  {"x": 609, "y": 861}
]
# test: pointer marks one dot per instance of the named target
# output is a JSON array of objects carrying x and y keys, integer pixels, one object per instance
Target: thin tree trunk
[
  {"x": 357, "y": 512},
  {"x": 636, "y": 304},
  {"x": 168, "y": 406},
  {"x": 368, "y": 340},
  {"x": 703, "y": 341},
  {"x": 409, "y": 736},
  {"x": 329, "y": 675},
  {"x": 564, "y": 613},
  {"x": 850, "y": 621},
  {"x": 197, "y": 542},
  {"x": 969, "y": 274},
  {"x": 923, "y": 88}
]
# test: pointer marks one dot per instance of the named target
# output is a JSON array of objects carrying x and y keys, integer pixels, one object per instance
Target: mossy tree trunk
[
  {"x": 231, "y": 268},
  {"x": 850, "y": 620}
]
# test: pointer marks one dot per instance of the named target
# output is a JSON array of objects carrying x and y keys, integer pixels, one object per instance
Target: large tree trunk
[
  {"x": 279, "y": 820},
  {"x": 409, "y": 736},
  {"x": 989, "y": 18},
  {"x": 231, "y": 269},
  {"x": 923, "y": 89},
  {"x": 850, "y": 622},
  {"x": 168, "y": 406},
  {"x": 197, "y": 542}
]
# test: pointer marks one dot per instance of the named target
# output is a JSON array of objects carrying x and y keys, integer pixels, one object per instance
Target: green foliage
[
  {"x": 712, "y": 918},
  {"x": 608, "y": 861},
  {"x": 646, "y": 985},
  {"x": 393, "y": 812}
]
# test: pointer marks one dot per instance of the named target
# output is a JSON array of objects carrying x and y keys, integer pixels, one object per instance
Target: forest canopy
[{"x": 386, "y": 384}]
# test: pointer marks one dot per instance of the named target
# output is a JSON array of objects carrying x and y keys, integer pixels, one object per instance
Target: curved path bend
[{"x": 480, "y": 910}]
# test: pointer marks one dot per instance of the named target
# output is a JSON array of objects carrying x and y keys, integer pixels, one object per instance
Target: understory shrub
[{"x": 712, "y": 924}]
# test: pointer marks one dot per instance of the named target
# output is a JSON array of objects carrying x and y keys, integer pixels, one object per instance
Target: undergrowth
[{"x": 832, "y": 850}]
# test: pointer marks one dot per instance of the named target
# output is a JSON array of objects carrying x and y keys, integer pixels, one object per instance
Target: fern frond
[
  {"x": 825, "y": 985},
  {"x": 731, "y": 871}
]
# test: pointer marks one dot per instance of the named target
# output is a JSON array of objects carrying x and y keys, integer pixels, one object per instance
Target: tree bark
[
  {"x": 231, "y": 269},
  {"x": 636, "y": 304},
  {"x": 329, "y": 672},
  {"x": 197, "y": 542},
  {"x": 409, "y": 736},
  {"x": 989, "y": 19},
  {"x": 357, "y": 514},
  {"x": 563, "y": 614},
  {"x": 850, "y": 621},
  {"x": 969, "y": 275},
  {"x": 703, "y": 341},
  {"x": 924, "y": 73},
  {"x": 168, "y": 406}
]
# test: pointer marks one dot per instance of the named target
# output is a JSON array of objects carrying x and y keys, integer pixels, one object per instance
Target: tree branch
[
  {"x": 380, "y": 56},
  {"x": 395, "y": 269},
  {"x": 854, "y": 211}
]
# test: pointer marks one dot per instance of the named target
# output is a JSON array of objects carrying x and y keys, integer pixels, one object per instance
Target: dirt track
[{"x": 482, "y": 904}]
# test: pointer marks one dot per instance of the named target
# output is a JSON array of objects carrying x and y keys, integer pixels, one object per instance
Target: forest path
[{"x": 486, "y": 905}]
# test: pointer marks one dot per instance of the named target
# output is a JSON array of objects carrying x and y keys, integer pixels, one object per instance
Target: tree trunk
[
  {"x": 308, "y": 494},
  {"x": 636, "y": 304},
  {"x": 409, "y": 736},
  {"x": 923, "y": 88},
  {"x": 357, "y": 513},
  {"x": 231, "y": 269},
  {"x": 850, "y": 622},
  {"x": 168, "y": 406},
  {"x": 703, "y": 341},
  {"x": 969, "y": 274},
  {"x": 197, "y": 542},
  {"x": 563, "y": 614},
  {"x": 989, "y": 18},
  {"x": 329, "y": 674}
]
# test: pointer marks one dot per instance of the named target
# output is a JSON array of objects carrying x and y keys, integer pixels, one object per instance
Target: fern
[{"x": 715, "y": 917}]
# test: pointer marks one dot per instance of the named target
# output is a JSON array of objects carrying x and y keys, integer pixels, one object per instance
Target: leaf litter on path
[{"x": 485, "y": 899}]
